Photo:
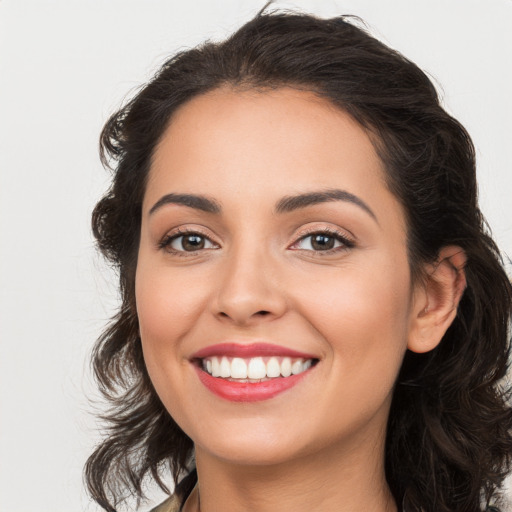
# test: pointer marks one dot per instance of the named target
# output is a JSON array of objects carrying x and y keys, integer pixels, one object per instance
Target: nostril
[{"x": 241, "y": 316}]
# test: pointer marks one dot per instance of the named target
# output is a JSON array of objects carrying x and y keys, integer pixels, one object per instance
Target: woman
[{"x": 313, "y": 317}]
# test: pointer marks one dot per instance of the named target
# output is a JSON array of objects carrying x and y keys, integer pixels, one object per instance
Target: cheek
[
  {"x": 358, "y": 299},
  {"x": 167, "y": 308},
  {"x": 364, "y": 316}
]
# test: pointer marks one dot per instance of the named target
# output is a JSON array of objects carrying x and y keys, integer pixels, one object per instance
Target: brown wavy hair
[{"x": 449, "y": 436}]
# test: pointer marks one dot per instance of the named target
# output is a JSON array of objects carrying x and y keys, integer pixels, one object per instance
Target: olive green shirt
[{"x": 171, "y": 504}]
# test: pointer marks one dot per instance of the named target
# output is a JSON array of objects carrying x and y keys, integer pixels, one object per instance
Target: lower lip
[{"x": 248, "y": 391}]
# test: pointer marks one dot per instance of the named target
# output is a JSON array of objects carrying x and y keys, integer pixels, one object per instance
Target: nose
[{"x": 249, "y": 289}]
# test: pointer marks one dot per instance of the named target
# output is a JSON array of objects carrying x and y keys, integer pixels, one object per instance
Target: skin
[{"x": 319, "y": 445}]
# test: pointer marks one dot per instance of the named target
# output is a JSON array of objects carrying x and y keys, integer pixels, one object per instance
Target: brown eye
[
  {"x": 321, "y": 242},
  {"x": 192, "y": 242},
  {"x": 188, "y": 242}
]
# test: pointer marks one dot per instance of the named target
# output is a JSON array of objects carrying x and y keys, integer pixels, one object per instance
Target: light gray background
[{"x": 64, "y": 67}]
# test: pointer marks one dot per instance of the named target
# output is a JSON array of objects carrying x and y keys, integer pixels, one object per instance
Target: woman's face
[{"x": 270, "y": 239}]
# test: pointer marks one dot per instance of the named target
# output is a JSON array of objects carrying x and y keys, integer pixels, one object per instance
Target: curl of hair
[{"x": 449, "y": 436}]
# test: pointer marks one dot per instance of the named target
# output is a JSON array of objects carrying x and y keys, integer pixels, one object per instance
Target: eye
[
  {"x": 186, "y": 242},
  {"x": 323, "y": 241}
]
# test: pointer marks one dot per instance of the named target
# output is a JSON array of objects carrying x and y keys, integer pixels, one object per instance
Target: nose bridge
[{"x": 249, "y": 287}]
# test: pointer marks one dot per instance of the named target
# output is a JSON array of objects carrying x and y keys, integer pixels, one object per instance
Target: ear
[{"x": 436, "y": 299}]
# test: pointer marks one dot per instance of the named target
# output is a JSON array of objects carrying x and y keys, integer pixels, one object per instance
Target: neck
[{"x": 333, "y": 480}]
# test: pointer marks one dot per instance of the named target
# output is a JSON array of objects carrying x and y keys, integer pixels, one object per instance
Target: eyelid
[
  {"x": 165, "y": 242},
  {"x": 347, "y": 240}
]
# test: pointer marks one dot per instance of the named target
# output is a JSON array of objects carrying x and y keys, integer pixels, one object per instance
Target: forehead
[{"x": 265, "y": 144}]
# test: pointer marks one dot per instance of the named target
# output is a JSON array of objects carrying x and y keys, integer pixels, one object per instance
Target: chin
[
  {"x": 249, "y": 441},
  {"x": 266, "y": 442},
  {"x": 253, "y": 451}
]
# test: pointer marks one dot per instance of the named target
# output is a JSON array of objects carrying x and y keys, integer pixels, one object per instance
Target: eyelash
[
  {"x": 346, "y": 242},
  {"x": 165, "y": 243}
]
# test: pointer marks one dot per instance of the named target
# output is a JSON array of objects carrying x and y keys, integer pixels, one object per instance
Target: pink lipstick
[
  {"x": 251, "y": 372},
  {"x": 249, "y": 350}
]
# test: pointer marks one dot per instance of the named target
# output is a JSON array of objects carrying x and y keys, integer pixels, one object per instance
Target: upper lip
[{"x": 247, "y": 350}]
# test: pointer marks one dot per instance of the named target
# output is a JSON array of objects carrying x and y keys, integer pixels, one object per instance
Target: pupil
[
  {"x": 193, "y": 242},
  {"x": 322, "y": 242}
]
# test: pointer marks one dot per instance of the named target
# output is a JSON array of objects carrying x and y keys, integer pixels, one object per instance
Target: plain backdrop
[{"x": 65, "y": 65}]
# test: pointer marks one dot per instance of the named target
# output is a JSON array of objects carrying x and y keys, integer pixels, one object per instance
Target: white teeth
[
  {"x": 273, "y": 367},
  {"x": 215, "y": 367},
  {"x": 297, "y": 367},
  {"x": 255, "y": 368},
  {"x": 225, "y": 368},
  {"x": 286, "y": 367},
  {"x": 238, "y": 368}
]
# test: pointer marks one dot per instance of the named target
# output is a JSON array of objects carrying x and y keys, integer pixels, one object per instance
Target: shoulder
[{"x": 171, "y": 504}]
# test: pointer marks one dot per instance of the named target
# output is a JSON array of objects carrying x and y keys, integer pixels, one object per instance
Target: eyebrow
[
  {"x": 285, "y": 205},
  {"x": 198, "y": 202},
  {"x": 291, "y": 203}
]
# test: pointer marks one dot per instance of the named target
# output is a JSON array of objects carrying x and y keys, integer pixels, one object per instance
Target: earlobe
[{"x": 436, "y": 299}]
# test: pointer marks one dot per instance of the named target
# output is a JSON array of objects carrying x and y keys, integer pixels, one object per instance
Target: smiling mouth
[
  {"x": 251, "y": 372},
  {"x": 254, "y": 369}
]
